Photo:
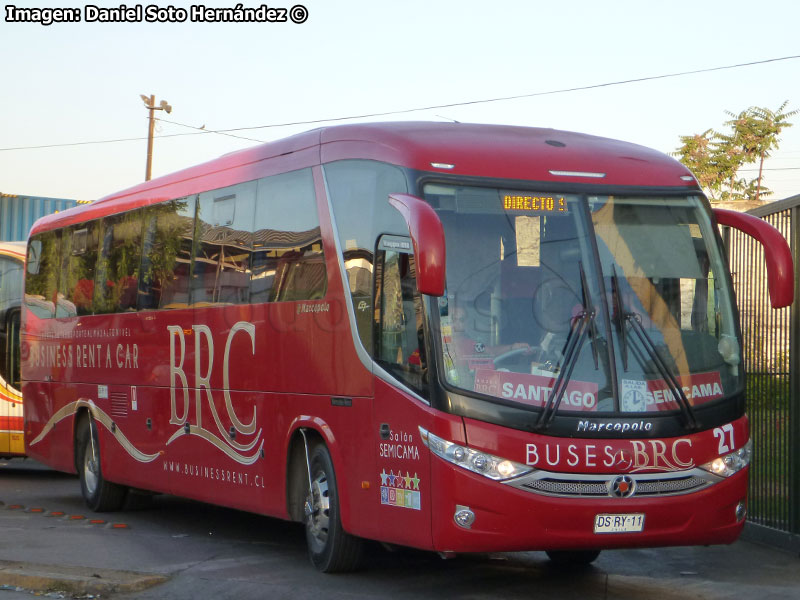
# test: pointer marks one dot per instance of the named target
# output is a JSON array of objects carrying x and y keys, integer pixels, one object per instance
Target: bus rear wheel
[
  {"x": 573, "y": 557},
  {"x": 330, "y": 547},
  {"x": 100, "y": 495}
]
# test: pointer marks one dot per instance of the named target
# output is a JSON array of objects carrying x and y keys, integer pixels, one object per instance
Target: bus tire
[
  {"x": 330, "y": 548},
  {"x": 100, "y": 495},
  {"x": 573, "y": 557}
]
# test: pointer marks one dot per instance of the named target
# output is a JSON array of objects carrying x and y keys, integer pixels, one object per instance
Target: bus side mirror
[
  {"x": 778, "y": 256},
  {"x": 427, "y": 235}
]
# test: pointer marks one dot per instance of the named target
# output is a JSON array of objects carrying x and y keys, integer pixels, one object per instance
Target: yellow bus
[{"x": 12, "y": 260}]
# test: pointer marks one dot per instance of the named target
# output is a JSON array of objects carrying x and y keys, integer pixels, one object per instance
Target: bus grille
[
  {"x": 670, "y": 486},
  {"x": 568, "y": 488},
  {"x": 592, "y": 486}
]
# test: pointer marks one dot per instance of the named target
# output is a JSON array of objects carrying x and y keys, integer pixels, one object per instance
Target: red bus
[
  {"x": 454, "y": 337},
  {"x": 12, "y": 258}
]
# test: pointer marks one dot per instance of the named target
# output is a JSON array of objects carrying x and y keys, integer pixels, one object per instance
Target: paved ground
[{"x": 179, "y": 550}]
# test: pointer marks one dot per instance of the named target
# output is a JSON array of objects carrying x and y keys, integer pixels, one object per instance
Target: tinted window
[
  {"x": 224, "y": 244},
  {"x": 41, "y": 280},
  {"x": 10, "y": 296},
  {"x": 400, "y": 344},
  {"x": 167, "y": 254},
  {"x": 119, "y": 262},
  {"x": 359, "y": 192},
  {"x": 11, "y": 360},
  {"x": 80, "y": 245},
  {"x": 10, "y": 283},
  {"x": 288, "y": 261}
]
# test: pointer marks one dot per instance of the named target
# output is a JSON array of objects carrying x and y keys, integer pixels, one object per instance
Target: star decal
[
  {"x": 384, "y": 476},
  {"x": 407, "y": 479}
]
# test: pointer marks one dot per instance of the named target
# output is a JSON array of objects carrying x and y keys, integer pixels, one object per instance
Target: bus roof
[
  {"x": 473, "y": 150},
  {"x": 15, "y": 249}
]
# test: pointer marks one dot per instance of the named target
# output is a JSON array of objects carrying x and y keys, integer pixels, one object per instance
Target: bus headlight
[
  {"x": 731, "y": 463},
  {"x": 488, "y": 465}
]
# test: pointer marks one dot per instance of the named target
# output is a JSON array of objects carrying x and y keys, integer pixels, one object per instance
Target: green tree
[
  {"x": 698, "y": 152},
  {"x": 716, "y": 157},
  {"x": 769, "y": 125}
]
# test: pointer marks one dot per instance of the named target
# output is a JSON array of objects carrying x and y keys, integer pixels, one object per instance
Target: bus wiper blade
[
  {"x": 625, "y": 317},
  {"x": 677, "y": 391},
  {"x": 623, "y": 334},
  {"x": 589, "y": 306},
  {"x": 577, "y": 333}
]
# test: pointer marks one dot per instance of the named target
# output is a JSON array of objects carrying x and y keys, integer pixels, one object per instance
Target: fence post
[{"x": 794, "y": 381}]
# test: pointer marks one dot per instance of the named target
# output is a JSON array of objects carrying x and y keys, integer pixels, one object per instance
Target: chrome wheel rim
[
  {"x": 318, "y": 517},
  {"x": 90, "y": 469}
]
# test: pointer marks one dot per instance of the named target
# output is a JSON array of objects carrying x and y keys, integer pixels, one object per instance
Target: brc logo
[{"x": 180, "y": 402}]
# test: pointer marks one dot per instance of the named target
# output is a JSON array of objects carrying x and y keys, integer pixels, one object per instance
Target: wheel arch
[{"x": 316, "y": 431}]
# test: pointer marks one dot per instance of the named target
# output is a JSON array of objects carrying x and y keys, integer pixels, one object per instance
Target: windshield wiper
[
  {"x": 577, "y": 333},
  {"x": 664, "y": 370},
  {"x": 649, "y": 345},
  {"x": 623, "y": 335},
  {"x": 589, "y": 306}
]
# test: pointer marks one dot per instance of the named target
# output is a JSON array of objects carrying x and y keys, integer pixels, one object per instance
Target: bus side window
[
  {"x": 10, "y": 296},
  {"x": 10, "y": 287},
  {"x": 223, "y": 245},
  {"x": 359, "y": 193},
  {"x": 118, "y": 263},
  {"x": 399, "y": 343},
  {"x": 41, "y": 278},
  {"x": 13, "y": 350},
  {"x": 166, "y": 255},
  {"x": 63, "y": 306},
  {"x": 288, "y": 259},
  {"x": 78, "y": 280}
]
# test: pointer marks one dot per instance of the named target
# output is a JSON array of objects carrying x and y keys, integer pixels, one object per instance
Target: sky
[{"x": 71, "y": 83}]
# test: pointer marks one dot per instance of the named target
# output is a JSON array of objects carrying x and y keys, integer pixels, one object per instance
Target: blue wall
[{"x": 18, "y": 213}]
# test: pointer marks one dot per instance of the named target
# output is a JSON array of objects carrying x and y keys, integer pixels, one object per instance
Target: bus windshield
[{"x": 584, "y": 303}]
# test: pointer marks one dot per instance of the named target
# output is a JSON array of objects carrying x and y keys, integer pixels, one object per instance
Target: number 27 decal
[{"x": 726, "y": 431}]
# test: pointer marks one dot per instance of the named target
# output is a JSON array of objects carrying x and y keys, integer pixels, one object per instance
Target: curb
[{"x": 74, "y": 580}]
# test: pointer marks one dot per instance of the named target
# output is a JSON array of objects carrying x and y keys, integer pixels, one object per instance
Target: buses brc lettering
[{"x": 641, "y": 455}]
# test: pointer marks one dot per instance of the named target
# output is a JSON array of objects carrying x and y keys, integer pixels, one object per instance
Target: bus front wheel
[
  {"x": 330, "y": 547},
  {"x": 100, "y": 495}
]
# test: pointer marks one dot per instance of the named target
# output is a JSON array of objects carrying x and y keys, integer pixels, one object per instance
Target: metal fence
[{"x": 771, "y": 353}]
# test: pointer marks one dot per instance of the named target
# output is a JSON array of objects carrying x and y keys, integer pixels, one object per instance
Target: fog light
[
  {"x": 464, "y": 517},
  {"x": 741, "y": 511}
]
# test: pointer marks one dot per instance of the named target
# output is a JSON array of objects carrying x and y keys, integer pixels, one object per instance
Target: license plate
[{"x": 621, "y": 523}]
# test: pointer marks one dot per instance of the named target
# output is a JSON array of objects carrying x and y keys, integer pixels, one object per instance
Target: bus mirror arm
[
  {"x": 427, "y": 236},
  {"x": 778, "y": 256}
]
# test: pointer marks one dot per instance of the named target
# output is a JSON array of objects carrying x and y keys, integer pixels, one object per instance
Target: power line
[
  {"x": 136, "y": 139},
  {"x": 204, "y": 130},
  {"x": 520, "y": 96},
  {"x": 775, "y": 169},
  {"x": 199, "y": 131},
  {"x": 420, "y": 109}
]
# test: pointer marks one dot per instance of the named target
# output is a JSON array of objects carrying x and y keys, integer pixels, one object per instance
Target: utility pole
[{"x": 150, "y": 103}]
